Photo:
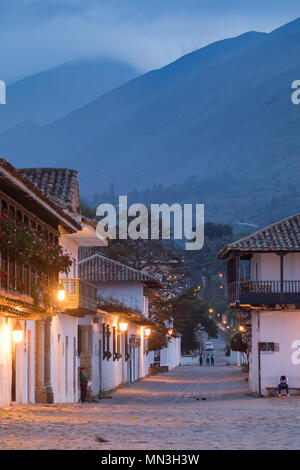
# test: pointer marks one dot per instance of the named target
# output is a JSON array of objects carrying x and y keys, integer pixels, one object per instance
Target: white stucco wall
[
  {"x": 266, "y": 267},
  {"x": 25, "y": 364},
  {"x": 128, "y": 293},
  {"x": 171, "y": 356},
  {"x": 109, "y": 374},
  {"x": 64, "y": 361},
  {"x": 5, "y": 362},
  {"x": 190, "y": 360},
  {"x": 282, "y": 327}
]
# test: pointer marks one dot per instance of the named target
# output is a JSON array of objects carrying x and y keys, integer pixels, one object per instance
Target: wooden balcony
[
  {"x": 259, "y": 293},
  {"x": 17, "y": 288},
  {"x": 80, "y": 297}
]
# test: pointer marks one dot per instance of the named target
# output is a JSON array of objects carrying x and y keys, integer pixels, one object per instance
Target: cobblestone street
[{"x": 162, "y": 412}]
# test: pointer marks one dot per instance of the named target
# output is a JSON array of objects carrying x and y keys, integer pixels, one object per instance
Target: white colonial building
[
  {"x": 38, "y": 347},
  {"x": 114, "y": 342},
  {"x": 51, "y": 323},
  {"x": 264, "y": 286}
]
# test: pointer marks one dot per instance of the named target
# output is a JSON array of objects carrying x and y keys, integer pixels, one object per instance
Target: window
[{"x": 106, "y": 342}]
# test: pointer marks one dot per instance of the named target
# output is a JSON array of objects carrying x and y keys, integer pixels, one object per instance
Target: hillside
[
  {"x": 222, "y": 113},
  {"x": 54, "y": 93}
]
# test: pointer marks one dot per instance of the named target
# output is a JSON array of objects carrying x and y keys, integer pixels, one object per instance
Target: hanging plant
[{"x": 46, "y": 258}]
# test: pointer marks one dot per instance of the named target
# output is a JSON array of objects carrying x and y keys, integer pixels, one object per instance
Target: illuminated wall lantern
[
  {"x": 61, "y": 294},
  {"x": 170, "y": 331},
  {"x": 123, "y": 326},
  {"x": 241, "y": 328},
  {"x": 147, "y": 332},
  {"x": 17, "y": 333},
  {"x": 210, "y": 310}
]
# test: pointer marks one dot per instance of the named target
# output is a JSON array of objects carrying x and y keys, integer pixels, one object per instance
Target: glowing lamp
[
  {"x": 147, "y": 332},
  {"x": 211, "y": 310},
  {"x": 17, "y": 333},
  {"x": 123, "y": 326},
  {"x": 61, "y": 294},
  {"x": 170, "y": 331},
  {"x": 241, "y": 328}
]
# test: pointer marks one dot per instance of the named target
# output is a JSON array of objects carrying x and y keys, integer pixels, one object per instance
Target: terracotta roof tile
[
  {"x": 58, "y": 184},
  {"x": 97, "y": 268},
  {"x": 280, "y": 236}
]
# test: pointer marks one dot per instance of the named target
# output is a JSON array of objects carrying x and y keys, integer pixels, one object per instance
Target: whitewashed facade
[
  {"x": 43, "y": 366},
  {"x": 264, "y": 285}
]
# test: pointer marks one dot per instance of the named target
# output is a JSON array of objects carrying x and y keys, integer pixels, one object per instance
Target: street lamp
[
  {"x": 241, "y": 328},
  {"x": 17, "y": 333}
]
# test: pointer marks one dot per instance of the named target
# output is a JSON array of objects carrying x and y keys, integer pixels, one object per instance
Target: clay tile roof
[
  {"x": 97, "y": 268},
  {"x": 58, "y": 184},
  {"x": 280, "y": 236}
]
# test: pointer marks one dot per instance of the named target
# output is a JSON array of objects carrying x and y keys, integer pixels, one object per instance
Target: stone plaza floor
[{"x": 190, "y": 407}]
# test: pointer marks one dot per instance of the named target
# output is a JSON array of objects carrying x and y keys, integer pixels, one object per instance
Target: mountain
[
  {"x": 89, "y": 124},
  {"x": 54, "y": 93},
  {"x": 222, "y": 113}
]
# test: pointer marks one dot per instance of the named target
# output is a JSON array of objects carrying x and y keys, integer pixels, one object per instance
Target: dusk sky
[{"x": 39, "y": 34}]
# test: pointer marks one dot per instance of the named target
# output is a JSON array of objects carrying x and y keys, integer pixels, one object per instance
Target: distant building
[{"x": 264, "y": 286}]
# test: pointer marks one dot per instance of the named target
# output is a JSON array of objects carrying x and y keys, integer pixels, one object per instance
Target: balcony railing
[
  {"x": 264, "y": 292},
  {"x": 79, "y": 295}
]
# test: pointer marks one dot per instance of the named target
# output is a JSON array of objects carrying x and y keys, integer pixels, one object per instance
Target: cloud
[{"x": 36, "y": 35}]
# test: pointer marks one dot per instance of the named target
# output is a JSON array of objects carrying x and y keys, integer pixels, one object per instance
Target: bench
[
  {"x": 272, "y": 391},
  {"x": 153, "y": 370}
]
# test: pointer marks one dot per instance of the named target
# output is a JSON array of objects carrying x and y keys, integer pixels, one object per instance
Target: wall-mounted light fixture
[
  {"x": 123, "y": 326},
  {"x": 17, "y": 333},
  {"x": 61, "y": 294},
  {"x": 147, "y": 332}
]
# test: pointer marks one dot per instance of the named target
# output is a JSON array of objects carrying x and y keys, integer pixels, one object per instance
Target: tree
[
  {"x": 87, "y": 211},
  {"x": 190, "y": 314},
  {"x": 237, "y": 344}
]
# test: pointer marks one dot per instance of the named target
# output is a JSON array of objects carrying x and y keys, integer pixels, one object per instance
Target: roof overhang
[
  {"x": 228, "y": 251},
  {"x": 33, "y": 200},
  {"x": 87, "y": 236}
]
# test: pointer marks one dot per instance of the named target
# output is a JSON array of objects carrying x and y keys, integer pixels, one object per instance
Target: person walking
[
  {"x": 200, "y": 359},
  {"x": 208, "y": 360},
  {"x": 83, "y": 378},
  {"x": 212, "y": 360}
]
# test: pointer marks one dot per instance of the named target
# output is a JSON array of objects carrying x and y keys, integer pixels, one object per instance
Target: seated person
[{"x": 283, "y": 385}]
